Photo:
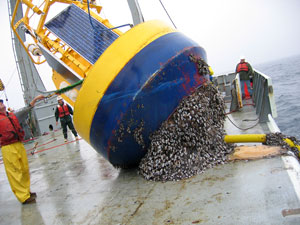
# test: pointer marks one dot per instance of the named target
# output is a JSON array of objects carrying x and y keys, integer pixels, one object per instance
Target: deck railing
[{"x": 263, "y": 96}]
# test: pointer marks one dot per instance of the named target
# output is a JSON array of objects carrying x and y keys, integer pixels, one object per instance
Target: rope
[
  {"x": 124, "y": 25},
  {"x": 65, "y": 89},
  {"x": 7, "y": 84},
  {"x": 99, "y": 30},
  {"x": 167, "y": 14},
  {"x": 240, "y": 127},
  {"x": 88, "y": 3}
]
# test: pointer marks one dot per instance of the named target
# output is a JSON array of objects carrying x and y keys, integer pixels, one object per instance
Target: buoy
[{"x": 133, "y": 87}]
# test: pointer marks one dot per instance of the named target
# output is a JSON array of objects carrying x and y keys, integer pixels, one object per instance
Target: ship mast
[
  {"x": 136, "y": 13},
  {"x": 31, "y": 82}
]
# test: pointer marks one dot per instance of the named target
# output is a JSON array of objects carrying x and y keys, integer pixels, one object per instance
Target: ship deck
[{"x": 76, "y": 185}]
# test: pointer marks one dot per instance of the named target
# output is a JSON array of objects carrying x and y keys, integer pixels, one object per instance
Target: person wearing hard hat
[
  {"x": 246, "y": 72},
  {"x": 63, "y": 112},
  {"x": 13, "y": 151}
]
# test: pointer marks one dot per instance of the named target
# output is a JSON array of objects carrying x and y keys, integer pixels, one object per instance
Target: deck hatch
[{"x": 73, "y": 27}]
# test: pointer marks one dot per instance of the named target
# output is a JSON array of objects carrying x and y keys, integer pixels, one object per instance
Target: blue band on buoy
[{"x": 143, "y": 95}]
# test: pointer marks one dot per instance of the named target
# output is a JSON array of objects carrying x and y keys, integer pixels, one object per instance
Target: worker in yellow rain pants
[
  {"x": 17, "y": 170},
  {"x": 13, "y": 151}
]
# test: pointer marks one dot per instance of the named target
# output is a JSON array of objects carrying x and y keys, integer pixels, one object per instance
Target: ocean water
[{"x": 285, "y": 74}]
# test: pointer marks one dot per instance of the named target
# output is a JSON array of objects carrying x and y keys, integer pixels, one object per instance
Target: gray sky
[{"x": 261, "y": 30}]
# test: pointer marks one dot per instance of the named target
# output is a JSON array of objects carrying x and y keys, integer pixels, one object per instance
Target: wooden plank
[{"x": 255, "y": 152}]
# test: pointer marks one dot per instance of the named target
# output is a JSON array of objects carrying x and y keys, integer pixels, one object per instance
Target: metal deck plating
[{"x": 76, "y": 185}]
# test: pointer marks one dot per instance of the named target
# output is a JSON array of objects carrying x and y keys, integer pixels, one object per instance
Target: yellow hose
[
  {"x": 240, "y": 138},
  {"x": 291, "y": 144},
  {"x": 245, "y": 138}
]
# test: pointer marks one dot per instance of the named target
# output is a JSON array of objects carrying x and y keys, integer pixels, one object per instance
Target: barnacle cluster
[{"x": 190, "y": 141}]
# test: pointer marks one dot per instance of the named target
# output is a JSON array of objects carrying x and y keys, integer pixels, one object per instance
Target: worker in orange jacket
[
  {"x": 246, "y": 73},
  {"x": 63, "y": 112}
]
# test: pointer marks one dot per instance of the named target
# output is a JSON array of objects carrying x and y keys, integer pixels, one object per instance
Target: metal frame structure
[
  {"x": 41, "y": 36},
  {"x": 31, "y": 84}
]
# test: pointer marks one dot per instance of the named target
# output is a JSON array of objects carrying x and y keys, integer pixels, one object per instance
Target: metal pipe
[
  {"x": 33, "y": 7},
  {"x": 240, "y": 138},
  {"x": 261, "y": 138}
]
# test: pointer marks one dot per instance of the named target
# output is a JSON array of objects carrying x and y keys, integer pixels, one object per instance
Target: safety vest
[
  {"x": 10, "y": 129},
  {"x": 63, "y": 110},
  {"x": 242, "y": 67}
]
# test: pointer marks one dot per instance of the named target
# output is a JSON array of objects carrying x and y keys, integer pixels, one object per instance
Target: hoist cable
[{"x": 167, "y": 14}]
